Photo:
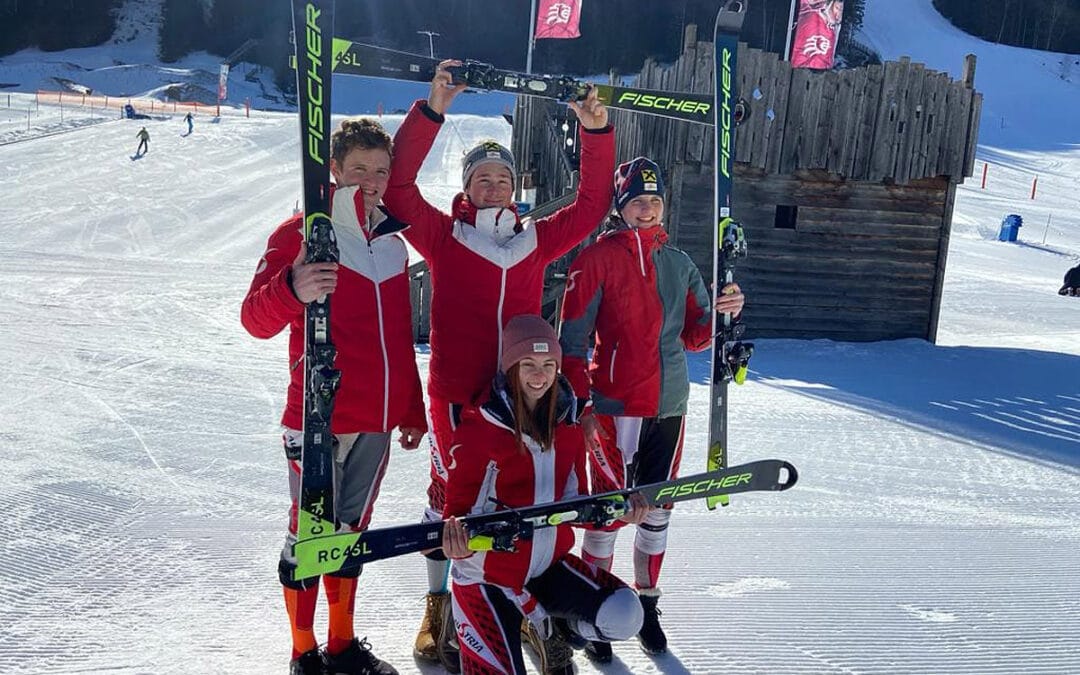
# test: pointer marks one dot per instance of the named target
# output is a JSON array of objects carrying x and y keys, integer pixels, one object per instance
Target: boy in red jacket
[
  {"x": 521, "y": 445},
  {"x": 371, "y": 326},
  {"x": 486, "y": 266},
  {"x": 647, "y": 302}
]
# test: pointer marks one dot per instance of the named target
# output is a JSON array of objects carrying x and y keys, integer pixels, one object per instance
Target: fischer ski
[
  {"x": 313, "y": 24},
  {"x": 355, "y": 58},
  {"x": 730, "y": 356},
  {"x": 498, "y": 530}
]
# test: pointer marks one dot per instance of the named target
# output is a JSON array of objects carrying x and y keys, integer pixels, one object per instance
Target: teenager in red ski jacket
[
  {"x": 521, "y": 445},
  {"x": 647, "y": 302},
  {"x": 371, "y": 327},
  {"x": 486, "y": 266}
]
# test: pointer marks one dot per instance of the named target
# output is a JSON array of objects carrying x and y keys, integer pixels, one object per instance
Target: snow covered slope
[
  {"x": 127, "y": 65},
  {"x": 935, "y": 528},
  {"x": 1031, "y": 97}
]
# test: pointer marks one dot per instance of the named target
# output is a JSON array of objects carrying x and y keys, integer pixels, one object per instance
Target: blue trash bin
[{"x": 1010, "y": 227}]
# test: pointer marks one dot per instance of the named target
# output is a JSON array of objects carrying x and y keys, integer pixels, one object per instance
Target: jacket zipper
[
  {"x": 382, "y": 343},
  {"x": 611, "y": 369}
]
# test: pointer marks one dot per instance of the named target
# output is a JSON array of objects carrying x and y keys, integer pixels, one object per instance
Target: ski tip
[
  {"x": 734, "y": 6},
  {"x": 730, "y": 17},
  {"x": 792, "y": 477}
]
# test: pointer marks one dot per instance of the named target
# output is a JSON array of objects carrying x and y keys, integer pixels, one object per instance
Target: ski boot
[
  {"x": 308, "y": 663},
  {"x": 556, "y": 656},
  {"x": 446, "y": 644},
  {"x": 426, "y": 645},
  {"x": 598, "y": 652},
  {"x": 651, "y": 636},
  {"x": 357, "y": 659}
]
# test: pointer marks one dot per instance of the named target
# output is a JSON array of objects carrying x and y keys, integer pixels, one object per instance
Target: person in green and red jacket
[{"x": 648, "y": 303}]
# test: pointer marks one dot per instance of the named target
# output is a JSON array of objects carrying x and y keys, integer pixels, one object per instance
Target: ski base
[
  {"x": 313, "y": 22},
  {"x": 499, "y": 530},
  {"x": 357, "y": 58},
  {"x": 729, "y": 356}
]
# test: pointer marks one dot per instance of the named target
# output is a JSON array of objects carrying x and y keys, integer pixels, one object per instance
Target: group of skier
[
  {"x": 516, "y": 414},
  {"x": 144, "y": 136}
]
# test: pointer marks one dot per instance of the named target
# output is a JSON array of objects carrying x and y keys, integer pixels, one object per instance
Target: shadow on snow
[{"x": 1023, "y": 403}]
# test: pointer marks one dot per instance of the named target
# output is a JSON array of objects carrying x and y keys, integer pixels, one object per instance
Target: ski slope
[
  {"x": 1030, "y": 96},
  {"x": 935, "y": 527}
]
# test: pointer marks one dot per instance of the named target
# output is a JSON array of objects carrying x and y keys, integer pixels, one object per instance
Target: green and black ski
[
  {"x": 313, "y": 28},
  {"x": 356, "y": 58},
  {"x": 729, "y": 355},
  {"x": 499, "y": 530}
]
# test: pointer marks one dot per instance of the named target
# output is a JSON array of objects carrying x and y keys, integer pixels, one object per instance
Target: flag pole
[
  {"x": 532, "y": 39},
  {"x": 790, "y": 25}
]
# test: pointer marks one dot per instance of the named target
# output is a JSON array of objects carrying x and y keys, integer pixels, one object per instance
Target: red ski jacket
[
  {"x": 487, "y": 463},
  {"x": 370, "y": 320},
  {"x": 486, "y": 266},
  {"x": 648, "y": 303}
]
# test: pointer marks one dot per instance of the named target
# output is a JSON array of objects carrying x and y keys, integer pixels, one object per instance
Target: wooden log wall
[
  {"x": 894, "y": 123},
  {"x": 867, "y": 159}
]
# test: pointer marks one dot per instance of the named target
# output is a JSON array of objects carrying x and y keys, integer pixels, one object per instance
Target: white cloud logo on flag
[
  {"x": 558, "y": 19},
  {"x": 559, "y": 13},
  {"x": 817, "y": 45}
]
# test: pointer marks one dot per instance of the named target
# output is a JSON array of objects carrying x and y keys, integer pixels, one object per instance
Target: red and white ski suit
[
  {"x": 492, "y": 590},
  {"x": 486, "y": 267},
  {"x": 647, "y": 303},
  {"x": 370, "y": 320},
  {"x": 371, "y": 327}
]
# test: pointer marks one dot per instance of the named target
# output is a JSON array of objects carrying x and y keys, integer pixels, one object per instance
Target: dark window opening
[{"x": 786, "y": 216}]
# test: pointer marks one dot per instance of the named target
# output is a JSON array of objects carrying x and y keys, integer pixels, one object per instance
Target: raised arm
[
  {"x": 412, "y": 143},
  {"x": 567, "y": 227}
]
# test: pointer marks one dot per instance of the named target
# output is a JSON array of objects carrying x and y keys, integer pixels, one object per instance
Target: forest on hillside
[
  {"x": 1052, "y": 25},
  {"x": 53, "y": 25},
  {"x": 616, "y": 34}
]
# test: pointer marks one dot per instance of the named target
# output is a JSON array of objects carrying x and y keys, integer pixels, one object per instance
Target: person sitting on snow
[{"x": 1072, "y": 283}]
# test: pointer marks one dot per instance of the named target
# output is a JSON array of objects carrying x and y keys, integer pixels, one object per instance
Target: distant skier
[
  {"x": 144, "y": 142},
  {"x": 190, "y": 123},
  {"x": 1072, "y": 282}
]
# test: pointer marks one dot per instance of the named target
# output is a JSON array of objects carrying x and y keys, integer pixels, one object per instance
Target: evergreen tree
[
  {"x": 52, "y": 25},
  {"x": 183, "y": 29}
]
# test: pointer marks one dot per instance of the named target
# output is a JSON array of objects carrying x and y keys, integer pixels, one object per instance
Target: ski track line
[{"x": 142, "y": 443}]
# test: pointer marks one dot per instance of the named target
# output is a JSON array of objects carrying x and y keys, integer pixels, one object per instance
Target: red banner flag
[
  {"x": 223, "y": 80},
  {"x": 816, "y": 33},
  {"x": 558, "y": 19}
]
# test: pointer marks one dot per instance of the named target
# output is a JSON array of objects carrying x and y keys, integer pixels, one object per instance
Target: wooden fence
[{"x": 894, "y": 122}]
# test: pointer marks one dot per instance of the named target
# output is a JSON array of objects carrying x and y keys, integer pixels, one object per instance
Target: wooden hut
[{"x": 844, "y": 184}]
